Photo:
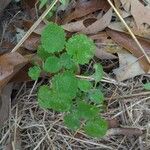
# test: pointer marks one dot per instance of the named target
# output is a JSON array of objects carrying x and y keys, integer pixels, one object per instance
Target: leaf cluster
[{"x": 77, "y": 97}]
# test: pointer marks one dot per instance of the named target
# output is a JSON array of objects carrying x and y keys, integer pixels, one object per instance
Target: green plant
[
  {"x": 147, "y": 86},
  {"x": 79, "y": 98}
]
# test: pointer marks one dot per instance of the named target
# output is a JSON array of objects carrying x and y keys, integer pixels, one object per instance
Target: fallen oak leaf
[
  {"x": 140, "y": 13},
  {"x": 10, "y": 64},
  {"x": 102, "y": 42},
  {"x": 128, "y": 66},
  {"x": 100, "y": 24},
  {"x": 84, "y": 8},
  {"x": 78, "y": 26},
  {"x": 96, "y": 26},
  {"x": 126, "y": 41}
]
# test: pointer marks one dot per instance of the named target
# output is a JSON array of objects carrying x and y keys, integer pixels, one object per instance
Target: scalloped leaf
[
  {"x": 96, "y": 128},
  {"x": 65, "y": 85},
  {"x": 52, "y": 64},
  {"x": 66, "y": 61},
  {"x": 80, "y": 48},
  {"x": 53, "y": 38},
  {"x": 34, "y": 72},
  {"x": 98, "y": 75},
  {"x": 87, "y": 111},
  {"x": 42, "y": 53},
  {"x": 44, "y": 95},
  {"x": 147, "y": 86},
  {"x": 84, "y": 85},
  {"x": 49, "y": 99},
  {"x": 72, "y": 121},
  {"x": 96, "y": 96}
]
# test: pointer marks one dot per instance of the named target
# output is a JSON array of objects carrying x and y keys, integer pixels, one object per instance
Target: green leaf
[
  {"x": 44, "y": 96},
  {"x": 87, "y": 111},
  {"x": 53, "y": 38},
  {"x": 42, "y": 3},
  {"x": 64, "y": 2},
  {"x": 34, "y": 72},
  {"x": 80, "y": 48},
  {"x": 66, "y": 61},
  {"x": 65, "y": 85},
  {"x": 49, "y": 99},
  {"x": 84, "y": 85},
  {"x": 42, "y": 53},
  {"x": 98, "y": 75},
  {"x": 72, "y": 121},
  {"x": 147, "y": 86},
  {"x": 59, "y": 103},
  {"x": 52, "y": 64},
  {"x": 96, "y": 128},
  {"x": 96, "y": 96}
]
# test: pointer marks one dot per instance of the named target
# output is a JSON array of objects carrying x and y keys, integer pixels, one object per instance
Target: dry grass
[{"x": 31, "y": 128}]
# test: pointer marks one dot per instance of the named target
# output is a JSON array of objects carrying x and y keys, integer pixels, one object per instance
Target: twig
[
  {"x": 34, "y": 26},
  {"x": 105, "y": 79},
  {"x": 130, "y": 31},
  {"x": 124, "y": 131}
]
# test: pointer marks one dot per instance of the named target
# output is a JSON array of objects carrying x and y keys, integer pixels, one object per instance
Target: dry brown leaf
[
  {"x": 126, "y": 41},
  {"x": 98, "y": 25},
  {"x": 32, "y": 42},
  {"x": 126, "y": 4},
  {"x": 100, "y": 53},
  {"x": 128, "y": 66},
  {"x": 84, "y": 8},
  {"x": 104, "y": 46},
  {"x": 77, "y": 26},
  {"x": 10, "y": 64},
  {"x": 140, "y": 13}
]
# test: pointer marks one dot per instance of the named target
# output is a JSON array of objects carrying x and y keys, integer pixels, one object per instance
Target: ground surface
[{"x": 30, "y": 127}]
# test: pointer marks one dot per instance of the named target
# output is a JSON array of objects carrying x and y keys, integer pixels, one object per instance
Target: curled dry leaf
[
  {"x": 100, "y": 24},
  {"x": 32, "y": 42},
  {"x": 104, "y": 46},
  {"x": 128, "y": 66},
  {"x": 126, "y": 41},
  {"x": 3, "y": 4},
  {"x": 10, "y": 64},
  {"x": 96, "y": 26},
  {"x": 83, "y": 8},
  {"x": 140, "y": 13}
]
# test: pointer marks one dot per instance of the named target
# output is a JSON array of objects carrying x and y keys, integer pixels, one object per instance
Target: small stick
[
  {"x": 34, "y": 26},
  {"x": 130, "y": 31}
]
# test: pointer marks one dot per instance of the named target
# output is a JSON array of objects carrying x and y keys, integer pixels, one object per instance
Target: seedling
[{"x": 77, "y": 97}]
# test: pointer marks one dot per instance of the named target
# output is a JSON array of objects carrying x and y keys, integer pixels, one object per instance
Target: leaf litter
[{"x": 91, "y": 18}]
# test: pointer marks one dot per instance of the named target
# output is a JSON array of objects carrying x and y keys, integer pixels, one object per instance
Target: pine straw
[{"x": 31, "y": 127}]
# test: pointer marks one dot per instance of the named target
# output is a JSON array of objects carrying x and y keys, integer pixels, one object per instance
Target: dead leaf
[
  {"x": 10, "y": 64},
  {"x": 140, "y": 13},
  {"x": 100, "y": 53},
  {"x": 126, "y": 41},
  {"x": 3, "y": 4},
  {"x": 126, "y": 4},
  {"x": 98, "y": 25},
  {"x": 32, "y": 42},
  {"x": 128, "y": 66},
  {"x": 104, "y": 46},
  {"x": 84, "y": 8}
]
